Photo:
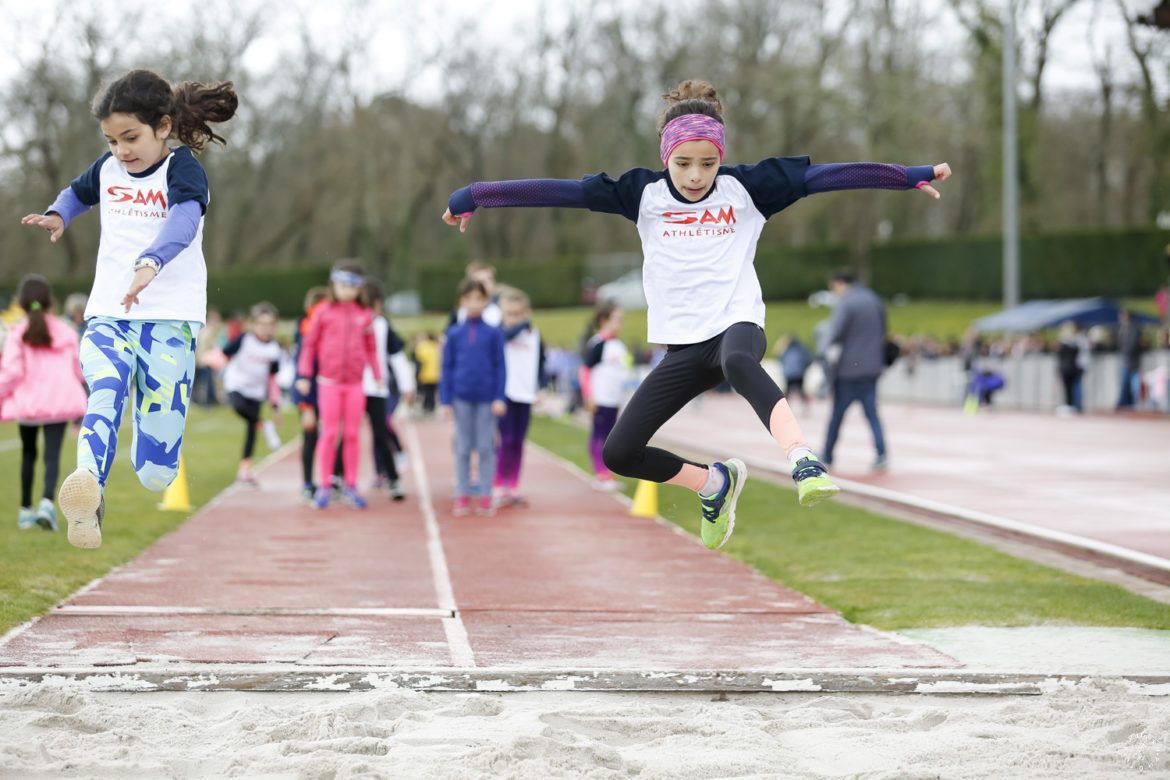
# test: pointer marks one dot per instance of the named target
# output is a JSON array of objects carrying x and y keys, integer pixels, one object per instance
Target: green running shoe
[
  {"x": 813, "y": 484},
  {"x": 719, "y": 510}
]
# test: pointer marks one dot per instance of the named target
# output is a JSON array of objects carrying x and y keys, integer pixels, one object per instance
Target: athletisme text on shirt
[{"x": 697, "y": 233}]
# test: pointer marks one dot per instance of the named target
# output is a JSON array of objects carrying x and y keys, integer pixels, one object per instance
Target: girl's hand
[
  {"x": 304, "y": 385},
  {"x": 942, "y": 172},
  {"x": 51, "y": 222},
  {"x": 499, "y": 408},
  {"x": 445, "y": 413},
  {"x": 453, "y": 220},
  {"x": 308, "y": 418},
  {"x": 142, "y": 277}
]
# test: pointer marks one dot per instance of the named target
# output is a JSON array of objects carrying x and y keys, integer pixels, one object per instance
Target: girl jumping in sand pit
[
  {"x": 699, "y": 222},
  {"x": 152, "y": 198}
]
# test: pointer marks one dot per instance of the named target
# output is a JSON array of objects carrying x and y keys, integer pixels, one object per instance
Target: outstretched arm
[
  {"x": 563, "y": 193},
  {"x": 874, "y": 176}
]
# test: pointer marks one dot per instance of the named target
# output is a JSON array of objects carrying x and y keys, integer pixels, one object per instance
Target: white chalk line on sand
[
  {"x": 104, "y": 610},
  {"x": 457, "y": 639}
]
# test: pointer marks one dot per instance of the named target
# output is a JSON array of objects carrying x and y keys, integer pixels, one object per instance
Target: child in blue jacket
[{"x": 471, "y": 387}]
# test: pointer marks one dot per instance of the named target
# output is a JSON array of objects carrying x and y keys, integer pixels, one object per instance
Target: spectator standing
[
  {"x": 795, "y": 358},
  {"x": 41, "y": 388},
  {"x": 1072, "y": 359},
  {"x": 428, "y": 359},
  {"x": 1129, "y": 344},
  {"x": 523, "y": 374},
  {"x": 857, "y": 333}
]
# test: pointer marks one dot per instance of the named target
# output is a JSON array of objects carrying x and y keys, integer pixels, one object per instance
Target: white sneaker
[
  {"x": 82, "y": 503},
  {"x": 270, "y": 435}
]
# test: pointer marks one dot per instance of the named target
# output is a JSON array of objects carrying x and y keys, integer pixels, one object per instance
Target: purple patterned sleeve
[
  {"x": 564, "y": 193},
  {"x": 864, "y": 176}
]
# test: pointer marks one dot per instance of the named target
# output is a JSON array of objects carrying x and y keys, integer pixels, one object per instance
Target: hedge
[{"x": 1114, "y": 263}]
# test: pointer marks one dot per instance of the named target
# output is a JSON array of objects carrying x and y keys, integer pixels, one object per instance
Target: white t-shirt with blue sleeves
[
  {"x": 133, "y": 210},
  {"x": 698, "y": 269}
]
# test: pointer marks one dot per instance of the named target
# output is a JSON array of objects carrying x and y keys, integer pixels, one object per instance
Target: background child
[
  {"x": 703, "y": 295},
  {"x": 523, "y": 378},
  {"x": 471, "y": 387},
  {"x": 249, "y": 377},
  {"x": 389, "y": 350},
  {"x": 306, "y": 402},
  {"x": 41, "y": 387},
  {"x": 605, "y": 368},
  {"x": 339, "y": 344},
  {"x": 429, "y": 361},
  {"x": 485, "y": 273},
  {"x": 144, "y": 310}
]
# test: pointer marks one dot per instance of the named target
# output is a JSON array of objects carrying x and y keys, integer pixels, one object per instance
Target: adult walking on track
[
  {"x": 699, "y": 222},
  {"x": 857, "y": 343}
]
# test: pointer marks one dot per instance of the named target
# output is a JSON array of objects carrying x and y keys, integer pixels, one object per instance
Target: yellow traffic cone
[
  {"x": 176, "y": 498},
  {"x": 645, "y": 499}
]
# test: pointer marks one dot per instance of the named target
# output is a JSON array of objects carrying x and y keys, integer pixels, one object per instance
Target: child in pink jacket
[
  {"x": 41, "y": 387},
  {"x": 338, "y": 346}
]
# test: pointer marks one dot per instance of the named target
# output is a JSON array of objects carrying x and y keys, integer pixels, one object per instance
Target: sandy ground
[
  {"x": 1100, "y": 727},
  {"x": 1088, "y": 730}
]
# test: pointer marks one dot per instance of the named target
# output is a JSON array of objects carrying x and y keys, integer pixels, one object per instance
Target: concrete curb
[{"x": 289, "y": 678}]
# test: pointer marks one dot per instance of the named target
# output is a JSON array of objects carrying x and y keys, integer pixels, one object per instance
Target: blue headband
[{"x": 346, "y": 277}]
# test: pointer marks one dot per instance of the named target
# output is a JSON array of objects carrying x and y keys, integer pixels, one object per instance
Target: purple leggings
[
  {"x": 603, "y": 421},
  {"x": 513, "y": 429}
]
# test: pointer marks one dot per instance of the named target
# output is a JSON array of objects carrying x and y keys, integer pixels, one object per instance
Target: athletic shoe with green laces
[
  {"x": 813, "y": 484},
  {"x": 719, "y": 510}
]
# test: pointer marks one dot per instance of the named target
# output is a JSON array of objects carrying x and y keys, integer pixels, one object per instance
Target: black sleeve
[
  {"x": 88, "y": 186},
  {"x": 233, "y": 346},
  {"x": 186, "y": 179},
  {"x": 623, "y": 196},
  {"x": 394, "y": 342},
  {"x": 774, "y": 184},
  {"x": 593, "y": 353}
]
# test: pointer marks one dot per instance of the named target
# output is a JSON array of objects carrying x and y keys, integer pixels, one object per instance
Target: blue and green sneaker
[
  {"x": 719, "y": 510},
  {"x": 813, "y": 484}
]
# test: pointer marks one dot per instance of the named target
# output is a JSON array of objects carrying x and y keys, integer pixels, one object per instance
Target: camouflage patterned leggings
[{"x": 157, "y": 359}]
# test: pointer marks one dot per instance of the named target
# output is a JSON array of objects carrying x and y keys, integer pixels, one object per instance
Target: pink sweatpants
[{"x": 342, "y": 407}]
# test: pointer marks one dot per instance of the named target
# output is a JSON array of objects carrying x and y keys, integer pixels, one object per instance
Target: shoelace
[{"x": 811, "y": 468}]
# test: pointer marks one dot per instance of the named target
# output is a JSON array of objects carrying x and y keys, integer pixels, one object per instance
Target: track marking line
[
  {"x": 111, "y": 610},
  {"x": 457, "y": 639}
]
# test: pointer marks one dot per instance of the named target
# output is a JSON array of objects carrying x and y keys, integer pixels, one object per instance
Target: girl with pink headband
[{"x": 699, "y": 222}]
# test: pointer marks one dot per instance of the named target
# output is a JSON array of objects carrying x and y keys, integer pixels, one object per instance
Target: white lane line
[
  {"x": 457, "y": 640},
  {"x": 982, "y": 518},
  {"x": 99, "y": 610}
]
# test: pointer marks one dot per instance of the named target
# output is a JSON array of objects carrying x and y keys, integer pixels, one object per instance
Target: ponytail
[
  {"x": 196, "y": 105},
  {"x": 190, "y": 105},
  {"x": 36, "y": 297}
]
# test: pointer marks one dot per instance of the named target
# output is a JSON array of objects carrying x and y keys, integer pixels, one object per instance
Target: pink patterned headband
[{"x": 691, "y": 127}]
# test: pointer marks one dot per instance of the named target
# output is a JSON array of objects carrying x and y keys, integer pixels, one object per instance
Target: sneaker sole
[
  {"x": 741, "y": 470},
  {"x": 79, "y": 500},
  {"x": 817, "y": 495}
]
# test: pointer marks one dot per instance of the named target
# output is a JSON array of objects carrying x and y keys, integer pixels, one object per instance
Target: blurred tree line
[{"x": 318, "y": 168}]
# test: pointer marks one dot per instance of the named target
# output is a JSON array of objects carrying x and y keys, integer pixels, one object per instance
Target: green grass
[
  {"x": 884, "y": 572},
  {"x": 38, "y": 569}
]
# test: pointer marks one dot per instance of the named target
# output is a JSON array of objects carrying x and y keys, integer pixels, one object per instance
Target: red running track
[{"x": 571, "y": 582}]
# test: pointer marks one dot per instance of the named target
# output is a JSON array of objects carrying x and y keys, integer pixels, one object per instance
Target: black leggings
[
  {"x": 249, "y": 409},
  {"x": 54, "y": 435},
  {"x": 685, "y": 372}
]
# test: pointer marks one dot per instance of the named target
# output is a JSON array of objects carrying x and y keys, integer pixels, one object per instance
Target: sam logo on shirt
[
  {"x": 131, "y": 195},
  {"x": 723, "y": 217}
]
